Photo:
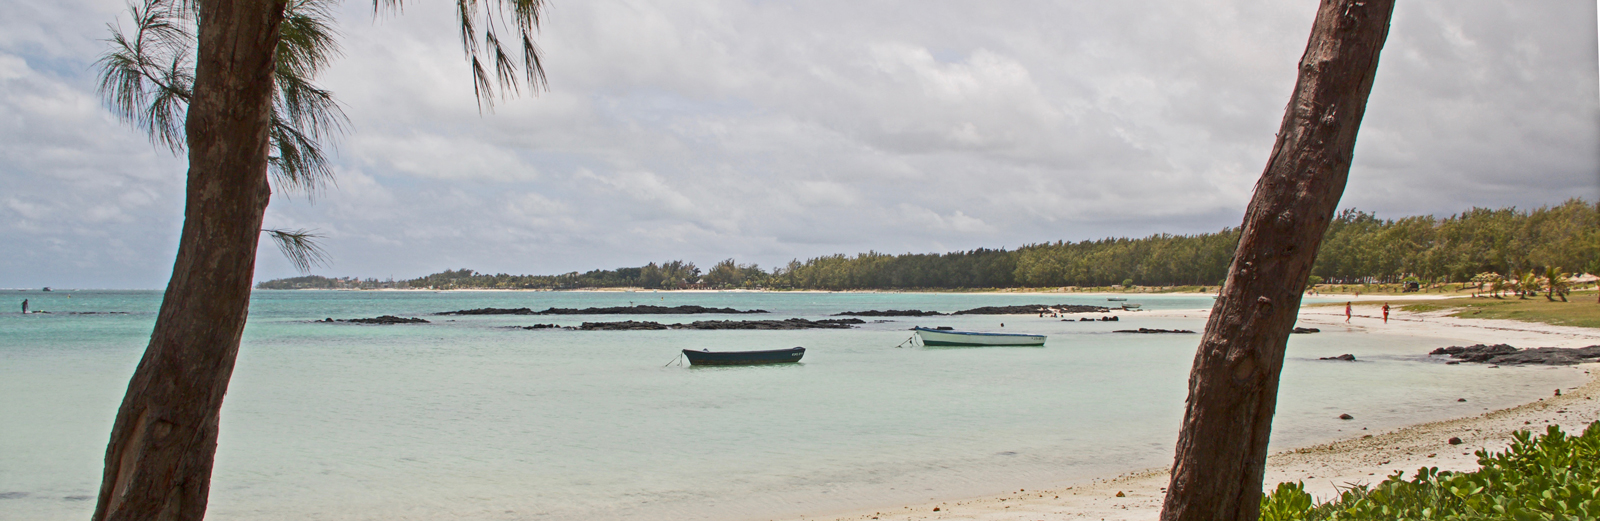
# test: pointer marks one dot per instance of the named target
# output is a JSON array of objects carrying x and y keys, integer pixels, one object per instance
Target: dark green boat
[{"x": 774, "y": 356}]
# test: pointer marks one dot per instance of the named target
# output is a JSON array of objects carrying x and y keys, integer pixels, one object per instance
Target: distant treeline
[
  {"x": 316, "y": 282},
  {"x": 1358, "y": 247}
]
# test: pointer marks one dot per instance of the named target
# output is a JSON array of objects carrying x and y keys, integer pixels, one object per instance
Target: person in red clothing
[
  {"x": 1386, "y": 312},
  {"x": 1347, "y": 312}
]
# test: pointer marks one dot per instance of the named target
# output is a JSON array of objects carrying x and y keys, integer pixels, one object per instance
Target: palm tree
[
  {"x": 1485, "y": 278},
  {"x": 1527, "y": 284},
  {"x": 1495, "y": 282},
  {"x": 1557, "y": 283},
  {"x": 236, "y": 75}
]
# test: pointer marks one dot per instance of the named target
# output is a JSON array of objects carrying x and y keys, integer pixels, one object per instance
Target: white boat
[{"x": 938, "y": 337}]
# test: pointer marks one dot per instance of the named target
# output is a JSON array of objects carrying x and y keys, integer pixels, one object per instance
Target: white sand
[{"x": 1322, "y": 468}]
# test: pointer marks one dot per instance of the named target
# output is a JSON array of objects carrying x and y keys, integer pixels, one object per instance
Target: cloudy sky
[{"x": 765, "y": 131}]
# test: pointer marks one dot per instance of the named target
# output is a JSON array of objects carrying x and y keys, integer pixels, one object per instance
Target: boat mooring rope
[
  {"x": 912, "y": 341},
  {"x": 678, "y": 359}
]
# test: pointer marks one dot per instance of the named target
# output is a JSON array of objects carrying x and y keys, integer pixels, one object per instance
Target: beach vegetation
[
  {"x": 1555, "y": 476},
  {"x": 1530, "y": 310},
  {"x": 1557, "y": 283}
]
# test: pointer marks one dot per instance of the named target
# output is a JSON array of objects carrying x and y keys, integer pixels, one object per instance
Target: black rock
[
  {"x": 889, "y": 313},
  {"x": 1502, "y": 354},
  {"x": 1304, "y": 330},
  {"x": 1346, "y": 417},
  {"x": 539, "y": 326},
  {"x": 1455, "y": 441},
  {"x": 1032, "y": 309},
  {"x": 386, "y": 320},
  {"x": 1151, "y": 331},
  {"x": 490, "y": 311},
  {"x": 1346, "y": 357},
  {"x": 616, "y": 310},
  {"x": 793, "y": 323},
  {"x": 1474, "y": 353},
  {"x": 627, "y": 325},
  {"x": 649, "y": 310},
  {"x": 1549, "y": 356}
]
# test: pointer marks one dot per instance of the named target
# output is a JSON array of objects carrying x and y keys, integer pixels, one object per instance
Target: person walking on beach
[
  {"x": 1386, "y": 312},
  {"x": 1347, "y": 312}
]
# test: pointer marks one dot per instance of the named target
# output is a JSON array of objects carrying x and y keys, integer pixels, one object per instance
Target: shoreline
[
  {"x": 1324, "y": 467},
  {"x": 1367, "y": 297}
]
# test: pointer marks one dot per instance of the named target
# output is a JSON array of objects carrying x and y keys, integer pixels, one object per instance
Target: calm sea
[{"x": 464, "y": 418}]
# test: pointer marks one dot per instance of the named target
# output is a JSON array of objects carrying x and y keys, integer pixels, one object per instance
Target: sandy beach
[{"x": 1324, "y": 468}]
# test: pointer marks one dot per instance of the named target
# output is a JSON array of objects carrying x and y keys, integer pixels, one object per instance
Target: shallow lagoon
[{"x": 466, "y": 419}]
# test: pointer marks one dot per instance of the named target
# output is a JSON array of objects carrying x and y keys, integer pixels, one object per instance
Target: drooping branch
[
  {"x": 300, "y": 247},
  {"x": 482, "y": 26}
]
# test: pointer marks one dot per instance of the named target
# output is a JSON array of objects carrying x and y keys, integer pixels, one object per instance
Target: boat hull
[
  {"x": 774, "y": 356},
  {"x": 933, "y": 337}
]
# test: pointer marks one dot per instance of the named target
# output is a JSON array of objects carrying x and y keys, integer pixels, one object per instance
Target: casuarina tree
[
  {"x": 236, "y": 74},
  {"x": 1233, "y": 387}
]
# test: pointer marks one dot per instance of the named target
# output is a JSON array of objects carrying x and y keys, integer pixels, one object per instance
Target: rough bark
[
  {"x": 1233, "y": 386},
  {"x": 159, "y": 459}
]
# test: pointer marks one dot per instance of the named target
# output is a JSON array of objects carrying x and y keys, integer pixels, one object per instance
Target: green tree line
[{"x": 1358, "y": 247}]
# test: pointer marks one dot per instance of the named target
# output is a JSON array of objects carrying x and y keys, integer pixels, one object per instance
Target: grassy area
[
  {"x": 1549, "y": 477},
  {"x": 1441, "y": 289},
  {"x": 1582, "y": 311}
]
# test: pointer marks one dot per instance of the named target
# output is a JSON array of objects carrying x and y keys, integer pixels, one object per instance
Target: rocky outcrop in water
[
  {"x": 490, "y": 311},
  {"x": 383, "y": 320},
  {"x": 1503, "y": 354},
  {"x": 1303, "y": 330},
  {"x": 1154, "y": 331},
  {"x": 616, "y": 310},
  {"x": 626, "y": 325},
  {"x": 1347, "y": 357},
  {"x": 889, "y": 313},
  {"x": 650, "y": 310},
  {"x": 793, "y": 323},
  {"x": 1032, "y": 309}
]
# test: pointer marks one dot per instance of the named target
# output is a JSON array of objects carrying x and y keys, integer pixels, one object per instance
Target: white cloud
[{"x": 773, "y": 130}]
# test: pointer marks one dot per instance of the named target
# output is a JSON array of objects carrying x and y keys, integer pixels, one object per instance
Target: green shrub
[{"x": 1554, "y": 477}]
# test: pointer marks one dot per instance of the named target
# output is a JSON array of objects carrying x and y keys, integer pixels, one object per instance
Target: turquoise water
[{"x": 466, "y": 419}]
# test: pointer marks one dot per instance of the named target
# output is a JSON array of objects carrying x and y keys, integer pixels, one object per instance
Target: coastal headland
[{"x": 1361, "y": 457}]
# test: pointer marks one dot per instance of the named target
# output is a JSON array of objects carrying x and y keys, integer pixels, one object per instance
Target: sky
[{"x": 766, "y": 131}]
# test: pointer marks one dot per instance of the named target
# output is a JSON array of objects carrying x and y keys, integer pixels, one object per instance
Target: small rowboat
[
  {"x": 934, "y": 337},
  {"x": 773, "y": 356}
]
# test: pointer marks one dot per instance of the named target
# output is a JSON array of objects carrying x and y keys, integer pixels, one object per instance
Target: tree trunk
[
  {"x": 159, "y": 459},
  {"x": 1222, "y": 448}
]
